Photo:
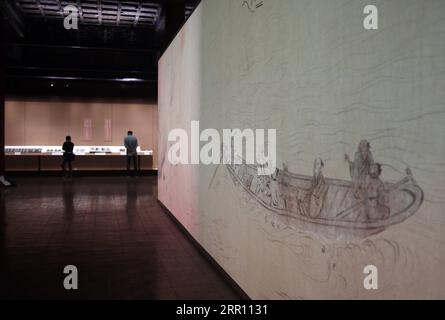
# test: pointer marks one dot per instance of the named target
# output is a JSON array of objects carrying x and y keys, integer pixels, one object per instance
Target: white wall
[{"x": 310, "y": 70}]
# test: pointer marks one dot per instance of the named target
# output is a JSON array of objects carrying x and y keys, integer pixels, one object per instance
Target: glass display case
[{"x": 48, "y": 158}]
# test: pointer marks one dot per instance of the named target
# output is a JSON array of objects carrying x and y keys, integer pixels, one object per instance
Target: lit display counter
[{"x": 93, "y": 158}]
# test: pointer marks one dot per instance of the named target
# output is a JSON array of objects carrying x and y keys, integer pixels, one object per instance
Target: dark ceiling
[{"x": 113, "y": 53}]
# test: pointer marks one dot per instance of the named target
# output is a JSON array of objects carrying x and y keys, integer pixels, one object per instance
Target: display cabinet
[{"x": 93, "y": 158}]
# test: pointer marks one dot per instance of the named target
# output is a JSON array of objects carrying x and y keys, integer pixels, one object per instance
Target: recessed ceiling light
[{"x": 130, "y": 80}]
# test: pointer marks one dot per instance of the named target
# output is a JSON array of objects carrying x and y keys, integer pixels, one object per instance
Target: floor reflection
[
  {"x": 68, "y": 202},
  {"x": 112, "y": 229},
  {"x": 131, "y": 200}
]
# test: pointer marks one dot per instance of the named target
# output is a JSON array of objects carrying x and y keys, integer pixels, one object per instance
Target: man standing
[
  {"x": 131, "y": 144},
  {"x": 68, "y": 156},
  {"x": 359, "y": 168}
]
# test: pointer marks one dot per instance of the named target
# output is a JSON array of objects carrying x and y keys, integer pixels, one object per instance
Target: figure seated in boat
[
  {"x": 277, "y": 199},
  {"x": 259, "y": 182},
  {"x": 243, "y": 174},
  {"x": 263, "y": 189},
  {"x": 268, "y": 190},
  {"x": 376, "y": 195},
  {"x": 359, "y": 168},
  {"x": 310, "y": 202}
]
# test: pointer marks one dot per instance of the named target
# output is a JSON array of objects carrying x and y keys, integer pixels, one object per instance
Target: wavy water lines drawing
[{"x": 325, "y": 264}]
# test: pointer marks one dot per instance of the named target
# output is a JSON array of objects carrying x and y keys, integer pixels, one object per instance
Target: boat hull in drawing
[{"x": 342, "y": 215}]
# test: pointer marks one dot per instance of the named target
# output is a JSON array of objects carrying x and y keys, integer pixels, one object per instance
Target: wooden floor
[{"x": 112, "y": 229}]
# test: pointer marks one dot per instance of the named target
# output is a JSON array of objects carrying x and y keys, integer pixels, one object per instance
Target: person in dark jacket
[
  {"x": 131, "y": 145},
  {"x": 68, "y": 155}
]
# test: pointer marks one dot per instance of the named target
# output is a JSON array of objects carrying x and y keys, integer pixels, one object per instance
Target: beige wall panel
[
  {"x": 14, "y": 123},
  {"x": 77, "y": 112},
  {"x": 97, "y": 113},
  {"x": 45, "y": 121},
  {"x": 100, "y": 112},
  {"x": 135, "y": 117}
]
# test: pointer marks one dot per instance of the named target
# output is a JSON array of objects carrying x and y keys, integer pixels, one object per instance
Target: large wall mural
[{"x": 359, "y": 116}]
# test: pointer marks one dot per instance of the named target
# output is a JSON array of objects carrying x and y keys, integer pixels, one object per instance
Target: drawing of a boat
[{"x": 342, "y": 216}]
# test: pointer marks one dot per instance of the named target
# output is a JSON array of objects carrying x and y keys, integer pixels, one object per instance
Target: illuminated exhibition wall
[
  {"x": 309, "y": 69},
  {"x": 48, "y": 122}
]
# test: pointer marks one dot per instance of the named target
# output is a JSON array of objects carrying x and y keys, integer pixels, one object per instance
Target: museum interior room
[{"x": 222, "y": 150}]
